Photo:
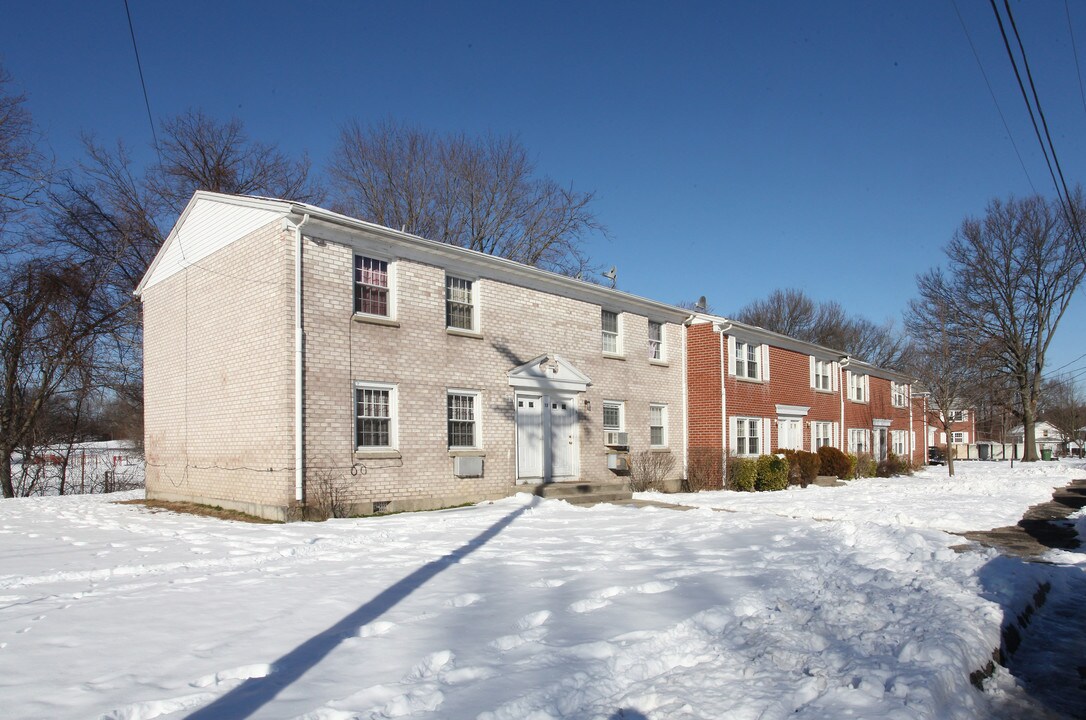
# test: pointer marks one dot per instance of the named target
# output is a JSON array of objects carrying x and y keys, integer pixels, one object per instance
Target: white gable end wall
[{"x": 208, "y": 226}]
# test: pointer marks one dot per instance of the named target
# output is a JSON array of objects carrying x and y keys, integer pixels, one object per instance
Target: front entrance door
[
  {"x": 790, "y": 434},
  {"x": 879, "y": 436},
  {"x": 546, "y": 437}
]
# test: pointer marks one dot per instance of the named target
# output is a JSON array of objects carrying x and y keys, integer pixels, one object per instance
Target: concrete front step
[{"x": 582, "y": 493}]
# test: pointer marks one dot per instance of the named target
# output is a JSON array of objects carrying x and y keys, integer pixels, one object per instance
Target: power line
[
  {"x": 1074, "y": 49},
  {"x": 1040, "y": 110},
  {"x": 995, "y": 100},
  {"x": 139, "y": 66},
  {"x": 1025, "y": 95}
]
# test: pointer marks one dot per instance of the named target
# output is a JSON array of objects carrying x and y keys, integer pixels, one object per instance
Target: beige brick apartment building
[{"x": 429, "y": 375}]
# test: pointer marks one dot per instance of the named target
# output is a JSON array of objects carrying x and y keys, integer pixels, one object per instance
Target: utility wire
[
  {"x": 1041, "y": 114},
  {"x": 995, "y": 100},
  {"x": 1025, "y": 95},
  {"x": 139, "y": 66},
  {"x": 1074, "y": 49}
]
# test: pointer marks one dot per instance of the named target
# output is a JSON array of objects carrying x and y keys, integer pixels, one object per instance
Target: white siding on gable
[{"x": 209, "y": 226}]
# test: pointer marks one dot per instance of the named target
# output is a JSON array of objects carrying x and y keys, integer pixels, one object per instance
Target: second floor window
[
  {"x": 609, "y": 321},
  {"x": 898, "y": 394},
  {"x": 656, "y": 341},
  {"x": 371, "y": 286},
  {"x": 747, "y": 357},
  {"x": 823, "y": 369},
  {"x": 459, "y": 304}
]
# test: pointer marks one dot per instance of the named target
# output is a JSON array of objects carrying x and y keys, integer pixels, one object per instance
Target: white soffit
[{"x": 207, "y": 226}]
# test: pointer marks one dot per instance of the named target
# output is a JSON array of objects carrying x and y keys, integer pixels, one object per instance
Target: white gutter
[{"x": 299, "y": 357}]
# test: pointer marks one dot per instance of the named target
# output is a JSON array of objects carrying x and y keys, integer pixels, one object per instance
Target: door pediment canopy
[{"x": 549, "y": 372}]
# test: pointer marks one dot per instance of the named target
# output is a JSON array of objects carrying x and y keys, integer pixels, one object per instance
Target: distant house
[{"x": 1047, "y": 435}]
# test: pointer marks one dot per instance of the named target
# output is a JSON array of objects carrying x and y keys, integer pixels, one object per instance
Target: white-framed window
[
  {"x": 375, "y": 416},
  {"x": 823, "y": 378},
  {"x": 614, "y": 415},
  {"x": 657, "y": 425},
  {"x": 959, "y": 416},
  {"x": 748, "y": 360},
  {"x": 958, "y": 437},
  {"x": 656, "y": 340},
  {"x": 897, "y": 442},
  {"x": 372, "y": 287},
  {"x": 899, "y": 394},
  {"x": 823, "y": 434},
  {"x": 748, "y": 433},
  {"x": 460, "y": 308},
  {"x": 611, "y": 332},
  {"x": 857, "y": 387},
  {"x": 857, "y": 441},
  {"x": 463, "y": 418}
]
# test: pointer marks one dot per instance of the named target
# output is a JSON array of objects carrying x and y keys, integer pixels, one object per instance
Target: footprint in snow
[
  {"x": 463, "y": 600},
  {"x": 588, "y": 605},
  {"x": 376, "y": 629},
  {"x": 551, "y": 583},
  {"x": 243, "y": 672}
]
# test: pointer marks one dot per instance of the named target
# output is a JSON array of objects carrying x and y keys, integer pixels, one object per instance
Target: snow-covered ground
[{"x": 816, "y": 603}]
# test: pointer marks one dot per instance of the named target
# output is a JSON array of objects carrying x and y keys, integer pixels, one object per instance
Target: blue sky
[{"x": 734, "y": 147}]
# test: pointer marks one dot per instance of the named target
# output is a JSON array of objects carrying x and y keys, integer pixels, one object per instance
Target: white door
[
  {"x": 563, "y": 437},
  {"x": 790, "y": 434},
  {"x": 879, "y": 439},
  {"x": 530, "y": 437}
]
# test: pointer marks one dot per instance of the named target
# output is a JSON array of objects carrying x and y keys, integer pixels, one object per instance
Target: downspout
[
  {"x": 841, "y": 443},
  {"x": 299, "y": 357},
  {"x": 686, "y": 408},
  {"x": 724, "y": 439},
  {"x": 912, "y": 428}
]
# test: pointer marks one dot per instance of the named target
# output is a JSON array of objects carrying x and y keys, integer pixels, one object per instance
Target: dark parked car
[{"x": 936, "y": 456}]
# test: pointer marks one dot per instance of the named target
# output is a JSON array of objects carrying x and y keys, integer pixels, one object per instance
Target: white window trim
[
  {"x": 663, "y": 341},
  {"x": 863, "y": 433},
  {"x": 959, "y": 437},
  {"x": 474, "y": 330},
  {"x": 898, "y": 437},
  {"x": 762, "y": 426},
  {"x": 478, "y": 421},
  {"x": 761, "y": 360},
  {"x": 620, "y": 350},
  {"x": 815, "y": 425},
  {"x": 392, "y": 304},
  {"x": 861, "y": 382},
  {"x": 663, "y": 418},
  {"x": 393, "y": 411},
  {"x": 621, "y": 415},
  {"x": 899, "y": 394},
  {"x": 828, "y": 366}
]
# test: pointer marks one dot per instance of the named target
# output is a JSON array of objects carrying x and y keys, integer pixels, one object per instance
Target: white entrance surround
[
  {"x": 880, "y": 438},
  {"x": 545, "y": 398},
  {"x": 790, "y": 426}
]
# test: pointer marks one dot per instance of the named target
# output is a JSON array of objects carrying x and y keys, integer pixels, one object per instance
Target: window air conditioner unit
[
  {"x": 617, "y": 461},
  {"x": 468, "y": 466},
  {"x": 616, "y": 439}
]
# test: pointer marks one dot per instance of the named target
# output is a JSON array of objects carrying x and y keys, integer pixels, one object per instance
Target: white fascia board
[
  {"x": 363, "y": 235},
  {"x": 769, "y": 337}
]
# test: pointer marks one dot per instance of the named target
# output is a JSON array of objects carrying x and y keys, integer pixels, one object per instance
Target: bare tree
[
  {"x": 51, "y": 315},
  {"x": 1064, "y": 406},
  {"x": 1011, "y": 276},
  {"x": 22, "y": 164},
  {"x": 945, "y": 364},
  {"x": 201, "y": 153},
  {"x": 792, "y": 312},
  {"x": 479, "y": 193}
]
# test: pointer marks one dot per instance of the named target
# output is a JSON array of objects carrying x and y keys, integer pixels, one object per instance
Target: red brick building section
[{"x": 752, "y": 391}]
